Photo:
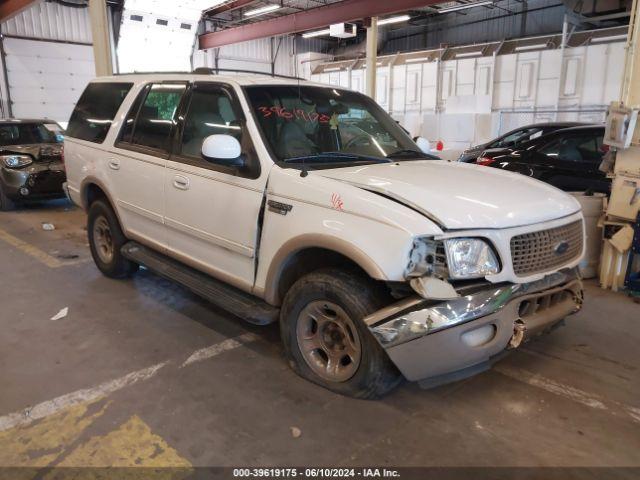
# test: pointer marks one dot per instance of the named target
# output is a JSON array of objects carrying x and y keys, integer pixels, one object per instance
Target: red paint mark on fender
[{"x": 336, "y": 202}]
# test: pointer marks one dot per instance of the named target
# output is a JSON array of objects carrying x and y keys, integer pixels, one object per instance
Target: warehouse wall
[
  {"x": 256, "y": 55},
  {"x": 467, "y": 101},
  {"x": 513, "y": 19},
  {"x": 48, "y": 59}
]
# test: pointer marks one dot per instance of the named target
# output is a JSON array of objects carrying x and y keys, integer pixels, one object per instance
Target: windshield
[
  {"x": 518, "y": 137},
  {"x": 327, "y": 125},
  {"x": 29, "y": 133}
]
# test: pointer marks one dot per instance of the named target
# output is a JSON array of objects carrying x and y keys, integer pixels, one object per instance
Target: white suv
[{"x": 281, "y": 199}]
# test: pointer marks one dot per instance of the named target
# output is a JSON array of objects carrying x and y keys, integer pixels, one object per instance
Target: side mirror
[
  {"x": 423, "y": 144},
  {"x": 223, "y": 149}
]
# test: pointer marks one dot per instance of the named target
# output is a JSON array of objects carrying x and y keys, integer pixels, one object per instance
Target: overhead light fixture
[
  {"x": 465, "y": 6},
  {"x": 468, "y": 54},
  {"x": 524, "y": 48},
  {"x": 261, "y": 10},
  {"x": 417, "y": 59},
  {"x": 333, "y": 69},
  {"x": 390, "y": 20},
  {"x": 609, "y": 38},
  {"x": 317, "y": 33}
]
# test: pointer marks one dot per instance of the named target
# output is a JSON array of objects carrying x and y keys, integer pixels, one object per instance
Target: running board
[{"x": 229, "y": 298}]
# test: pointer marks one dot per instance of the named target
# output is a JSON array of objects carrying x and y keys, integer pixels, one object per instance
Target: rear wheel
[
  {"x": 105, "y": 241},
  {"x": 326, "y": 340}
]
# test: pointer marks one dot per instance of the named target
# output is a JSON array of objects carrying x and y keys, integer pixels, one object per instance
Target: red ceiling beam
[
  {"x": 345, "y": 11},
  {"x": 11, "y": 8},
  {"x": 226, "y": 7}
]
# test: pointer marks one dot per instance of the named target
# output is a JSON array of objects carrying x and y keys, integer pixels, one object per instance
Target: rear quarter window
[{"x": 96, "y": 109}]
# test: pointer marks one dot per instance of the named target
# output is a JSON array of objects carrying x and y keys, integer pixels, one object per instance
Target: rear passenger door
[
  {"x": 212, "y": 210},
  {"x": 139, "y": 159}
]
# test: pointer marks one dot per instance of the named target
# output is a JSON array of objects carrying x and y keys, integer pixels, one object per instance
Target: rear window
[{"x": 96, "y": 109}]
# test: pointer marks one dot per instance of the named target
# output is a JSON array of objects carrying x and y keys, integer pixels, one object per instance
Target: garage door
[{"x": 46, "y": 78}]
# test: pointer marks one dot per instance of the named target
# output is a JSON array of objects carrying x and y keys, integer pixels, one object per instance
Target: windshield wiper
[
  {"x": 407, "y": 153},
  {"x": 330, "y": 157}
]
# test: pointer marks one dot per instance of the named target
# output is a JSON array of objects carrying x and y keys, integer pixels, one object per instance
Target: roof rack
[{"x": 215, "y": 71}]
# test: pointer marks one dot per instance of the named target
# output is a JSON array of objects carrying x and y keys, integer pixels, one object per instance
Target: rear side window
[
  {"x": 583, "y": 148},
  {"x": 151, "y": 118},
  {"x": 96, "y": 110}
]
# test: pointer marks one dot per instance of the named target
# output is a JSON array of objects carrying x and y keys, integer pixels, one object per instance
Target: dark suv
[{"x": 31, "y": 161}]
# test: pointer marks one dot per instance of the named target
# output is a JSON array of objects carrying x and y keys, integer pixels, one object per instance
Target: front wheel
[
  {"x": 105, "y": 241},
  {"x": 326, "y": 340}
]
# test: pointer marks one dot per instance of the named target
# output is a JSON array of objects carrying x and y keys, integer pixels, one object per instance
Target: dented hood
[{"x": 458, "y": 195}]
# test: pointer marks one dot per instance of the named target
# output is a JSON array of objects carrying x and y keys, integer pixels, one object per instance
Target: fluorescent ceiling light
[
  {"x": 463, "y": 7},
  {"x": 261, "y": 10},
  {"x": 398, "y": 19},
  {"x": 523, "y": 48},
  {"x": 468, "y": 54},
  {"x": 332, "y": 69},
  {"x": 609, "y": 38},
  {"x": 417, "y": 59},
  {"x": 317, "y": 33}
]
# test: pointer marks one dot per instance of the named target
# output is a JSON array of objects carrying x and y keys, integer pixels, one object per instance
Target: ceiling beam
[
  {"x": 226, "y": 7},
  {"x": 345, "y": 11},
  {"x": 11, "y": 8}
]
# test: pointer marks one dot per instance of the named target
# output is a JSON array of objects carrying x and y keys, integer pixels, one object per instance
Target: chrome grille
[{"x": 541, "y": 251}]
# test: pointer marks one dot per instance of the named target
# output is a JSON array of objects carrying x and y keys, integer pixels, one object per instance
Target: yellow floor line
[{"x": 33, "y": 252}]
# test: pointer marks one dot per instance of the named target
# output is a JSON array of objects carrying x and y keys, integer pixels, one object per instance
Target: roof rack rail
[{"x": 215, "y": 71}]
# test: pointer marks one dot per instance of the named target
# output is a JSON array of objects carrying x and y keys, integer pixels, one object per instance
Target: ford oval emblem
[{"x": 561, "y": 247}]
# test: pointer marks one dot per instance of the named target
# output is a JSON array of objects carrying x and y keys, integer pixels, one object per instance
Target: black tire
[
  {"x": 114, "y": 265},
  {"x": 358, "y": 297},
  {"x": 6, "y": 204}
]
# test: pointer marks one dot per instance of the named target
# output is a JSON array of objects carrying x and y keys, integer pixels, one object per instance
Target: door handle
[
  {"x": 180, "y": 182},
  {"x": 114, "y": 165}
]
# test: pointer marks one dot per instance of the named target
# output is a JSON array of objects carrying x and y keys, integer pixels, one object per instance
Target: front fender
[{"x": 374, "y": 232}]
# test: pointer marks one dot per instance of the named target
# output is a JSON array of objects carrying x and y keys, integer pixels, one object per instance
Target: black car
[
  {"x": 31, "y": 161},
  {"x": 568, "y": 159},
  {"x": 512, "y": 140}
]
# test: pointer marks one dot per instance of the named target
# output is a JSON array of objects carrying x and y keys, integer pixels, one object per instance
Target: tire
[
  {"x": 327, "y": 353},
  {"x": 105, "y": 241},
  {"x": 6, "y": 204}
]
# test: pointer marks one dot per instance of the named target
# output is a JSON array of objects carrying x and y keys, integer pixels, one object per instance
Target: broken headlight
[
  {"x": 16, "y": 161},
  {"x": 470, "y": 258},
  {"x": 427, "y": 257}
]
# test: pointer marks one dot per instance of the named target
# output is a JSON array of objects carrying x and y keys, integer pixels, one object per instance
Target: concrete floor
[{"x": 107, "y": 384}]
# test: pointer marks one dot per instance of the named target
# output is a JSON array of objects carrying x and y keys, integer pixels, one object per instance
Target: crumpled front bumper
[
  {"x": 437, "y": 342},
  {"x": 35, "y": 182}
]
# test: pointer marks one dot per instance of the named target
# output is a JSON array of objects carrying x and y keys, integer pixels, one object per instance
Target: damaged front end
[{"x": 437, "y": 341}]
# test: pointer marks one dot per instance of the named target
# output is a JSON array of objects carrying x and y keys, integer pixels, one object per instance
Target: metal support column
[
  {"x": 101, "y": 38},
  {"x": 372, "y": 57},
  {"x": 628, "y": 160}
]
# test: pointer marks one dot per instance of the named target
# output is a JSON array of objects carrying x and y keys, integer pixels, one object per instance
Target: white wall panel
[
  {"x": 504, "y": 81},
  {"x": 51, "y": 21},
  {"x": 398, "y": 89},
  {"x": 465, "y": 76},
  {"x": 429, "y": 86},
  {"x": 548, "y": 78},
  {"x": 256, "y": 55},
  {"x": 46, "y": 78}
]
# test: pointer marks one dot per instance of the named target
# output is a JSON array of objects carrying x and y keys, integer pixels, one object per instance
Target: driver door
[{"x": 211, "y": 210}]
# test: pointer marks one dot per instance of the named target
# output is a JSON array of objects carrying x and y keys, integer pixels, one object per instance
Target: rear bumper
[{"x": 446, "y": 341}]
